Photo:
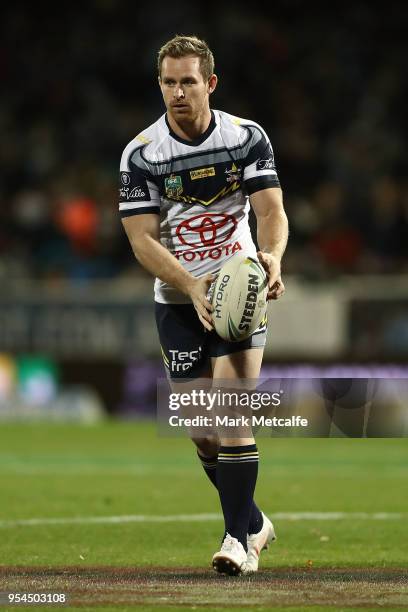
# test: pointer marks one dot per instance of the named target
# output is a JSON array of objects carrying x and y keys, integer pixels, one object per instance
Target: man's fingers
[
  {"x": 205, "y": 322},
  {"x": 209, "y": 278},
  {"x": 276, "y": 291},
  {"x": 204, "y": 315},
  {"x": 274, "y": 296},
  {"x": 269, "y": 265},
  {"x": 208, "y": 305},
  {"x": 205, "y": 308}
]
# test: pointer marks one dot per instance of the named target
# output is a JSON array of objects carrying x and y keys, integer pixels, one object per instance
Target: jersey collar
[{"x": 197, "y": 141}]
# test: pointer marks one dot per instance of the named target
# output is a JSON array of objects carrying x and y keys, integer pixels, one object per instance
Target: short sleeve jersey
[{"x": 199, "y": 189}]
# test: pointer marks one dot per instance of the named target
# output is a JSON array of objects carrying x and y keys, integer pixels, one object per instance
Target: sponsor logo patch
[
  {"x": 129, "y": 191},
  {"x": 202, "y": 173},
  {"x": 265, "y": 164},
  {"x": 182, "y": 361},
  {"x": 173, "y": 186},
  {"x": 136, "y": 193},
  {"x": 207, "y": 230},
  {"x": 224, "y": 250}
]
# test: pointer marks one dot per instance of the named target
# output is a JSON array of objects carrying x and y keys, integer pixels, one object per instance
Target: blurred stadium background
[{"x": 77, "y": 334}]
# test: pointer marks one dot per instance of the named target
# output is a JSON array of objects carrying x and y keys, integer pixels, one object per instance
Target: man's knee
[{"x": 208, "y": 446}]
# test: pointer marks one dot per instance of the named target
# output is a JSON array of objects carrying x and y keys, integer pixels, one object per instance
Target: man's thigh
[
  {"x": 239, "y": 360},
  {"x": 236, "y": 373},
  {"x": 242, "y": 365},
  {"x": 186, "y": 352}
]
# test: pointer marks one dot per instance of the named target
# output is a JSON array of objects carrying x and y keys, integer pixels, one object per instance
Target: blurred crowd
[{"x": 80, "y": 82}]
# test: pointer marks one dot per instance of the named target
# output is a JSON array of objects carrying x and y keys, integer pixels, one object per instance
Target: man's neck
[{"x": 190, "y": 130}]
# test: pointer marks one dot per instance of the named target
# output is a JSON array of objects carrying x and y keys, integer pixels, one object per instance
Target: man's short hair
[{"x": 180, "y": 46}]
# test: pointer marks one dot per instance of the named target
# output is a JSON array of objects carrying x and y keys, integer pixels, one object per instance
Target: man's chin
[{"x": 181, "y": 112}]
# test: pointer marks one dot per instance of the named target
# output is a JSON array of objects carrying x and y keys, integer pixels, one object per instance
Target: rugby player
[{"x": 186, "y": 185}]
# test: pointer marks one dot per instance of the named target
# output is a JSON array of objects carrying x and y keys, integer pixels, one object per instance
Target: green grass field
[{"x": 321, "y": 562}]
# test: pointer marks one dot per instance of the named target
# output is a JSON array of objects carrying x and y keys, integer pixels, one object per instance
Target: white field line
[
  {"x": 200, "y": 518},
  {"x": 86, "y": 469}
]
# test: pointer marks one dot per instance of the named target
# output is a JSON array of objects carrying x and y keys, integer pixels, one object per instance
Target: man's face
[{"x": 184, "y": 90}]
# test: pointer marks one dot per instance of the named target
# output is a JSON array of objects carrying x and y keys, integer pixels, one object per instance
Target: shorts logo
[
  {"x": 125, "y": 178},
  {"x": 173, "y": 186},
  {"x": 206, "y": 230},
  {"x": 265, "y": 164},
  {"x": 182, "y": 361},
  {"x": 202, "y": 173}
]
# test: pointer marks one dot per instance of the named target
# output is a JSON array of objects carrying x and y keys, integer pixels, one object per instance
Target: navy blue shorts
[{"x": 187, "y": 347}]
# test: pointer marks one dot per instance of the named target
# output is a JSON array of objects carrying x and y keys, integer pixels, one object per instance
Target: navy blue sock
[
  {"x": 237, "y": 471},
  {"x": 210, "y": 467}
]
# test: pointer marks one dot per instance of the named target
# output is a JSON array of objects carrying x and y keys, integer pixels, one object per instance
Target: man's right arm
[{"x": 143, "y": 231}]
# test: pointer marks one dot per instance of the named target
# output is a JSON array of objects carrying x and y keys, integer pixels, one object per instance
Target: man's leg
[
  {"x": 207, "y": 452},
  {"x": 186, "y": 357},
  {"x": 183, "y": 340},
  {"x": 237, "y": 466},
  {"x": 244, "y": 364}
]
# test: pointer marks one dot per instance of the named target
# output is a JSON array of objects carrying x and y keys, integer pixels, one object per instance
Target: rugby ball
[{"x": 239, "y": 298}]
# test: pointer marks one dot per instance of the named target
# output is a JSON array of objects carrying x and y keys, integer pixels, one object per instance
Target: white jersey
[{"x": 200, "y": 190}]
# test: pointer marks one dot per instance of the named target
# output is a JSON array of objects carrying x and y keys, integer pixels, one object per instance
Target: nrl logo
[
  {"x": 173, "y": 186},
  {"x": 234, "y": 174}
]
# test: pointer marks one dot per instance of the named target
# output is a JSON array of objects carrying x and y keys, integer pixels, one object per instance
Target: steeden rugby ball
[{"x": 239, "y": 298}]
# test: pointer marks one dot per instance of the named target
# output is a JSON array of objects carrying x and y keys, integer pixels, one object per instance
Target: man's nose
[{"x": 178, "y": 92}]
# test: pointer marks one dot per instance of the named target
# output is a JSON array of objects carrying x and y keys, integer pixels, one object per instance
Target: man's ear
[{"x": 212, "y": 83}]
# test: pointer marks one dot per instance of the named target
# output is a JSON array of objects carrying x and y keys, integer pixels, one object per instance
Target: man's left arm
[{"x": 272, "y": 234}]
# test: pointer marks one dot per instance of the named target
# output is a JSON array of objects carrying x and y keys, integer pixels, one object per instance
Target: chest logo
[
  {"x": 173, "y": 186},
  {"x": 202, "y": 173},
  {"x": 209, "y": 229},
  {"x": 233, "y": 174}
]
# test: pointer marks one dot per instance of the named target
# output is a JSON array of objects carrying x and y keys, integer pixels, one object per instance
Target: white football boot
[
  {"x": 257, "y": 542},
  {"x": 231, "y": 559}
]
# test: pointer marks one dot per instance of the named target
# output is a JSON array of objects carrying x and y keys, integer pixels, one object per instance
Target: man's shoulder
[
  {"x": 148, "y": 140},
  {"x": 244, "y": 129},
  {"x": 235, "y": 122}
]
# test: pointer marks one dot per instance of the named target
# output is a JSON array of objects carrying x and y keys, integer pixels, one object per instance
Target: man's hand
[
  {"x": 197, "y": 290},
  {"x": 271, "y": 264}
]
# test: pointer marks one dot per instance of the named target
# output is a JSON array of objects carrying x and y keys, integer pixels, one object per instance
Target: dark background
[{"x": 326, "y": 81}]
